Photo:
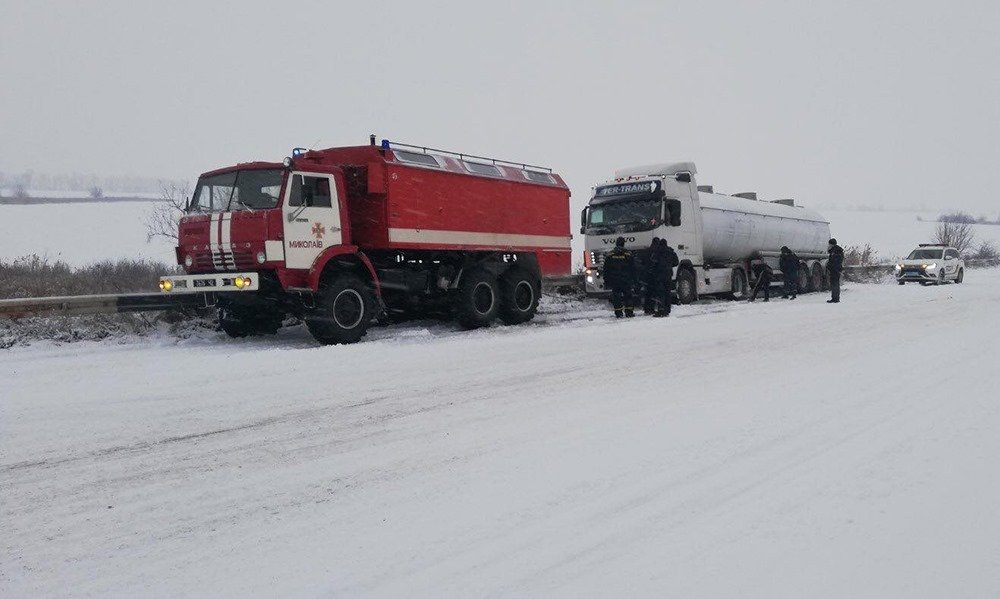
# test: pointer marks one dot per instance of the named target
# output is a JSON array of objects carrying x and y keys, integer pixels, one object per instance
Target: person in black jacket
[
  {"x": 649, "y": 279},
  {"x": 619, "y": 275},
  {"x": 789, "y": 265},
  {"x": 664, "y": 261},
  {"x": 764, "y": 275},
  {"x": 835, "y": 266}
]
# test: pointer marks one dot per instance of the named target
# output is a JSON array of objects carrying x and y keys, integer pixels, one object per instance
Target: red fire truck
[{"x": 343, "y": 236}]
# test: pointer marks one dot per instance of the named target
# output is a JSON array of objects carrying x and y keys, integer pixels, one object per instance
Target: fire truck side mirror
[
  {"x": 583, "y": 220},
  {"x": 683, "y": 177}
]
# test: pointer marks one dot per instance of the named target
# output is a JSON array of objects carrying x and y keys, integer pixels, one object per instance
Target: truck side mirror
[
  {"x": 583, "y": 221},
  {"x": 683, "y": 177}
]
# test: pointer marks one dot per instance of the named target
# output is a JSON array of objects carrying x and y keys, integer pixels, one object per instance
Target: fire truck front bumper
[{"x": 210, "y": 283}]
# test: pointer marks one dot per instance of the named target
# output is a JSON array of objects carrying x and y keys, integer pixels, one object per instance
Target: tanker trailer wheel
[
  {"x": 739, "y": 284},
  {"x": 518, "y": 296},
  {"x": 344, "y": 308},
  {"x": 686, "y": 290},
  {"x": 803, "y": 279},
  {"x": 477, "y": 300},
  {"x": 817, "y": 278}
]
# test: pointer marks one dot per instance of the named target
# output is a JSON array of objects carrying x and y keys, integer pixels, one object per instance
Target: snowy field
[
  {"x": 80, "y": 234},
  {"x": 788, "y": 449}
]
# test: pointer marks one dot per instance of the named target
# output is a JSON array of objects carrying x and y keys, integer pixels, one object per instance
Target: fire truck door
[{"x": 311, "y": 214}]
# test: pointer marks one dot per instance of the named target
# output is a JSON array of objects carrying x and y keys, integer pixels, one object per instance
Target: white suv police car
[{"x": 931, "y": 264}]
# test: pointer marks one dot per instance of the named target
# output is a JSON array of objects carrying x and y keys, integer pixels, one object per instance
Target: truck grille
[{"x": 224, "y": 259}]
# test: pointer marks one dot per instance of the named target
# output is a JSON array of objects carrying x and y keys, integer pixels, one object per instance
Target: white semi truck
[{"x": 718, "y": 238}]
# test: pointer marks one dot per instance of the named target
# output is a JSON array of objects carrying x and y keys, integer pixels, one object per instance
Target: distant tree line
[
  {"x": 19, "y": 184},
  {"x": 964, "y": 218}
]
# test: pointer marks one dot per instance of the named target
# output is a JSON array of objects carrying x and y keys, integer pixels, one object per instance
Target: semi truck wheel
[
  {"x": 739, "y": 284},
  {"x": 817, "y": 278},
  {"x": 803, "y": 282},
  {"x": 344, "y": 308},
  {"x": 518, "y": 296},
  {"x": 686, "y": 290},
  {"x": 478, "y": 299}
]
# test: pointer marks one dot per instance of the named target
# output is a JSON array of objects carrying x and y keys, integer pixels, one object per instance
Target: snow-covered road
[{"x": 789, "y": 449}]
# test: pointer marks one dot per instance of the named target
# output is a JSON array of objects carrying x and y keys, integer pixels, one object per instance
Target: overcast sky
[{"x": 890, "y": 104}]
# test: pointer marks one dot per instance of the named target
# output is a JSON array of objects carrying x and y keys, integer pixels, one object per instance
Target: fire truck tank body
[{"x": 736, "y": 228}]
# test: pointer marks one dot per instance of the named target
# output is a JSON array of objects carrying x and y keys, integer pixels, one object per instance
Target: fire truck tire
[
  {"x": 687, "y": 292},
  {"x": 241, "y": 323},
  {"x": 344, "y": 308},
  {"x": 478, "y": 299},
  {"x": 518, "y": 296}
]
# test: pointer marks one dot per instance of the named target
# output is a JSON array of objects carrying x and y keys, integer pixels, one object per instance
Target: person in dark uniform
[
  {"x": 619, "y": 275},
  {"x": 835, "y": 266},
  {"x": 764, "y": 275},
  {"x": 664, "y": 261},
  {"x": 649, "y": 279},
  {"x": 789, "y": 265}
]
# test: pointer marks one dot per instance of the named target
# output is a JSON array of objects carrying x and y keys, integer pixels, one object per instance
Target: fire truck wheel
[
  {"x": 518, "y": 296},
  {"x": 686, "y": 290},
  {"x": 478, "y": 299},
  {"x": 344, "y": 308},
  {"x": 242, "y": 323}
]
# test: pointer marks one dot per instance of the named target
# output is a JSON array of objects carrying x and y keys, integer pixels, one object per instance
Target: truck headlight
[
  {"x": 188, "y": 261},
  {"x": 261, "y": 257},
  {"x": 590, "y": 279},
  {"x": 931, "y": 266},
  {"x": 166, "y": 285},
  {"x": 899, "y": 267},
  {"x": 241, "y": 282}
]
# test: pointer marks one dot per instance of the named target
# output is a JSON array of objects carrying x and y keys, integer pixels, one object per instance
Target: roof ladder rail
[{"x": 496, "y": 161}]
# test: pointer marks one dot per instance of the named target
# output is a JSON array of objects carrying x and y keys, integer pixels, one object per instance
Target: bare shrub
[
  {"x": 861, "y": 255},
  {"x": 163, "y": 220},
  {"x": 96, "y": 192},
  {"x": 36, "y": 276},
  {"x": 957, "y": 235},
  {"x": 986, "y": 250}
]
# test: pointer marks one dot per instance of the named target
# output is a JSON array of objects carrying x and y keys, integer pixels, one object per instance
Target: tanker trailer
[{"x": 718, "y": 238}]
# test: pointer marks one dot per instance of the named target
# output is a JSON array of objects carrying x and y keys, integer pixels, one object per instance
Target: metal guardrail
[{"x": 80, "y": 305}]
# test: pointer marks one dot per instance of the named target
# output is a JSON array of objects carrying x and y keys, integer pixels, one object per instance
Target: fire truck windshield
[
  {"x": 238, "y": 190},
  {"x": 623, "y": 216}
]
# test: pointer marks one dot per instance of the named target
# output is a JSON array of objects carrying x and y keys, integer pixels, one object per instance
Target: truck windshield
[
  {"x": 238, "y": 190},
  {"x": 625, "y": 215},
  {"x": 923, "y": 254}
]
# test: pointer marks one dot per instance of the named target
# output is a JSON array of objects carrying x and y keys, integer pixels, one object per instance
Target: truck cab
[{"x": 640, "y": 204}]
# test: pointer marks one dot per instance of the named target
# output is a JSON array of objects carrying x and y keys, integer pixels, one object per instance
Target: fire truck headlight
[
  {"x": 261, "y": 257},
  {"x": 166, "y": 285},
  {"x": 590, "y": 279},
  {"x": 188, "y": 261},
  {"x": 241, "y": 282}
]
